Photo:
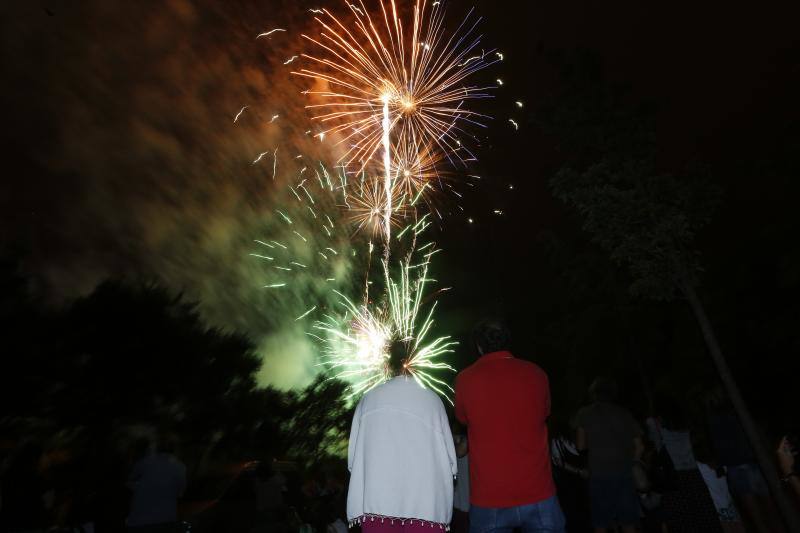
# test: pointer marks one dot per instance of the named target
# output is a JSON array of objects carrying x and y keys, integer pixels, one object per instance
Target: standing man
[
  {"x": 613, "y": 440},
  {"x": 504, "y": 402},
  {"x": 157, "y": 482}
]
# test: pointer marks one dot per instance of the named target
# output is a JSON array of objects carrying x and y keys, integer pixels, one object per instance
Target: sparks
[
  {"x": 290, "y": 60},
  {"x": 268, "y": 33},
  {"x": 239, "y": 114},
  {"x": 301, "y": 317},
  {"x": 356, "y": 348},
  {"x": 378, "y": 69},
  {"x": 260, "y": 156},
  {"x": 514, "y": 123}
]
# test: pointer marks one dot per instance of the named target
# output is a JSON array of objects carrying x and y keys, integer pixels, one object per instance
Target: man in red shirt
[{"x": 505, "y": 402}]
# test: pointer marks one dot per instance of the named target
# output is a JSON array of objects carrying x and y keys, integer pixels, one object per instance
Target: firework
[
  {"x": 383, "y": 82},
  {"x": 419, "y": 78},
  {"x": 308, "y": 246},
  {"x": 366, "y": 207},
  {"x": 357, "y": 344},
  {"x": 397, "y": 101}
]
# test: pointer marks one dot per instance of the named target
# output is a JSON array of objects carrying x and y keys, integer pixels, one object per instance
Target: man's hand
[
  {"x": 462, "y": 448},
  {"x": 785, "y": 457},
  {"x": 580, "y": 439}
]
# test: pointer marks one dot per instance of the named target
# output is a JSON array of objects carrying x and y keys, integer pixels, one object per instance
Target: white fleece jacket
[{"x": 401, "y": 455}]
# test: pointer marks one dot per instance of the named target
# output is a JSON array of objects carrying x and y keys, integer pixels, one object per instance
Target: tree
[
  {"x": 320, "y": 423},
  {"x": 646, "y": 218}
]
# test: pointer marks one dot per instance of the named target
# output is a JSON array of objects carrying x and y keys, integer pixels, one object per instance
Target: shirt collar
[{"x": 493, "y": 356}]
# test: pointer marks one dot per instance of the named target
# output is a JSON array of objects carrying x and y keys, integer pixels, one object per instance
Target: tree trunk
[{"x": 764, "y": 454}]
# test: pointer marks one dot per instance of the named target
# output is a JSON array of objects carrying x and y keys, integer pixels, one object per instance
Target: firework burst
[
  {"x": 418, "y": 75},
  {"x": 357, "y": 343},
  {"x": 383, "y": 82}
]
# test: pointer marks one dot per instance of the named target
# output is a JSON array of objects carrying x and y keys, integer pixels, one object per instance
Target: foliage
[
  {"x": 321, "y": 420},
  {"x": 645, "y": 217},
  {"x": 134, "y": 355}
]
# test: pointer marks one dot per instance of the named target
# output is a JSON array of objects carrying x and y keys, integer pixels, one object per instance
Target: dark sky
[{"x": 122, "y": 158}]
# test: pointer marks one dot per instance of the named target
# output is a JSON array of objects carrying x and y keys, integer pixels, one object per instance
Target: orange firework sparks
[
  {"x": 372, "y": 66},
  {"x": 366, "y": 207},
  {"x": 416, "y": 171}
]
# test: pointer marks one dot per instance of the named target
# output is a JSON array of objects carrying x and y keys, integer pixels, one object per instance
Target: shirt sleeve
[
  {"x": 653, "y": 432},
  {"x": 181, "y": 479},
  {"x": 546, "y": 397},
  {"x": 461, "y": 412},
  {"x": 579, "y": 421},
  {"x": 447, "y": 436},
  {"x": 351, "y": 446}
]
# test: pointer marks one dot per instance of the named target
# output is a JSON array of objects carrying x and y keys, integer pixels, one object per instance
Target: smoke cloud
[{"x": 145, "y": 137}]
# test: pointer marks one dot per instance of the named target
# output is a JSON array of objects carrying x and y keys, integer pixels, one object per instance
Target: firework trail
[{"x": 383, "y": 82}]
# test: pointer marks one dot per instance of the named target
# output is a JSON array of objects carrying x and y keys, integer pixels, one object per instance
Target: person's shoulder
[
  {"x": 466, "y": 376},
  {"x": 529, "y": 368},
  {"x": 621, "y": 410},
  {"x": 415, "y": 389},
  {"x": 585, "y": 413},
  {"x": 393, "y": 390},
  {"x": 468, "y": 371}
]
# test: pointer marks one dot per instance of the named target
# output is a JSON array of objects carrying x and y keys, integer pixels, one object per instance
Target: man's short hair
[
  {"x": 492, "y": 335},
  {"x": 603, "y": 389}
]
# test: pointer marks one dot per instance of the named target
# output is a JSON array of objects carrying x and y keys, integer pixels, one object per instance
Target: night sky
[{"x": 121, "y": 157}]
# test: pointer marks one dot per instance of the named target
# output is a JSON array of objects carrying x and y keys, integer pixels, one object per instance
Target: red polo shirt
[{"x": 504, "y": 403}]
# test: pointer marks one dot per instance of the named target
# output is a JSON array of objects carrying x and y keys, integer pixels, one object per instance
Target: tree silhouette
[
  {"x": 130, "y": 354},
  {"x": 321, "y": 420}
]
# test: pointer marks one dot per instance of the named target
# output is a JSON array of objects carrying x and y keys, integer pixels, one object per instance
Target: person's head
[
  {"x": 603, "y": 389},
  {"x": 397, "y": 364},
  {"x": 716, "y": 401},
  {"x": 491, "y": 335}
]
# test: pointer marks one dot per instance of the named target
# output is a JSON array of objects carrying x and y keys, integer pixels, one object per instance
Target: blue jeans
[
  {"x": 613, "y": 498},
  {"x": 540, "y": 517}
]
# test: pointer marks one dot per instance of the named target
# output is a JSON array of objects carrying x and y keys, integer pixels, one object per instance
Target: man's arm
[
  {"x": 447, "y": 436},
  {"x": 461, "y": 412},
  {"x": 582, "y": 444},
  {"x": 462, "y": 446},
  {"x": 580, "y": 439},
  {"x": 638, "y": 448},
  {"x": 786, "y": 460},
  {"x": 181, "y": 482}
]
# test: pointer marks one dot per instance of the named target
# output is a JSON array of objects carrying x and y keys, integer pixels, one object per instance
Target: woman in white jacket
[{"x": 401, "y": 456}]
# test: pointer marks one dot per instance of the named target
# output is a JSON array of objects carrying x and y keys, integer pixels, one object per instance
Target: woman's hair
[{"x": 398, "y": 357}]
